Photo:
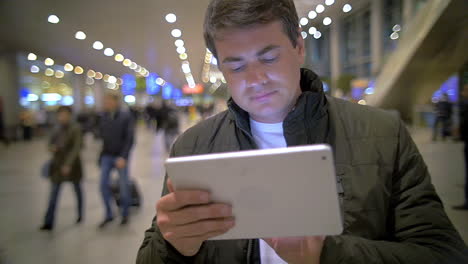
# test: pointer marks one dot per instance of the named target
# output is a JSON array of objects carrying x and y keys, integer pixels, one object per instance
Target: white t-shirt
[{"x": 268, "y": 136}]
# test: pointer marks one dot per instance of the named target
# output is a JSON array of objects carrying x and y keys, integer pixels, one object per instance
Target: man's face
[
  {"x": 262, "y": 69},
  {"x": 64, "y": 117},
  {"x": 110, "y": 103}
]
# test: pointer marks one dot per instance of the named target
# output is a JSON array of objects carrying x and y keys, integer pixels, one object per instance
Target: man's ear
[{"x": 300, "y": 45}]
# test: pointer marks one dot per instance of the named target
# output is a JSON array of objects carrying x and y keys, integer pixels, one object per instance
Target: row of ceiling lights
[
  {"x": 181, "y": 50},
  {"x": 313, "y": 14},
  {"x": 112, "y": 81},
  {"x": 109, "y": 52}
]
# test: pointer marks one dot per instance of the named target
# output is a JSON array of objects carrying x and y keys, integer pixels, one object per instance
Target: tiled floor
[{"x": 23, "y": 198}]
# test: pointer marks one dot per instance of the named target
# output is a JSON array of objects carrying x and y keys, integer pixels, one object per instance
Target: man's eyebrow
[
  {"x": 267, "y": 49},
  {"x": 260, "y": 53}
]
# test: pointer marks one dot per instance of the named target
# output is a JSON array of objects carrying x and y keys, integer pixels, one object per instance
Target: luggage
[{"x": 135, "y": 197}]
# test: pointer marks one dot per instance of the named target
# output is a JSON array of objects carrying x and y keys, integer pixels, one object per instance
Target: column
[
  {"x": 9, "y": 91},
  {"x": 99, "y": 91},
  {"x": 408, "y": 11},
  {"x": 78, "y": 83},
  {"x": 335, "y": 54},
  {"x": 376, "y": 35}
]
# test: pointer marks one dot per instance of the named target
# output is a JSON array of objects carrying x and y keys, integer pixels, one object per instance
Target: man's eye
[
  {"x": 269, "y": 60},
  {"x": 237, "y": 69}
]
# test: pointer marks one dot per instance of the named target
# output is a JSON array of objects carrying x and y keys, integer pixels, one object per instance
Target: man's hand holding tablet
[{"x": 187, "y": 218}]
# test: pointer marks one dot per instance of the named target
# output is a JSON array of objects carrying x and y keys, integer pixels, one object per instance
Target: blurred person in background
[
  {"x": 464, "y": 137},
  {"x": 171, "y": 126},
  {"x": 117, "y": 130},
  {"x": 3, "y": 136},
  {"x": 27, "y": 124},
  {"x": 443, "y": 112},
  {"x": 65, "y": 165}
]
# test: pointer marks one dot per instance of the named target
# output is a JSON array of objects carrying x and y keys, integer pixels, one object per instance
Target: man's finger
[
  {"x": 177, "y": 200},
  {"x": 193, "y": 214},
  {"x": 200, "y": 229},
  {"x": 169, "y": 185}
]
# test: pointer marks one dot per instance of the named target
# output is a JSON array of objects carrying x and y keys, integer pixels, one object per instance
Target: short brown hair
[{"x": 224, "y": 14}]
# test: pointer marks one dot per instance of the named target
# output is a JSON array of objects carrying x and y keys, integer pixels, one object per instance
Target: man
[
  {"x": 65, "y": 165},
  {"x": 464, "y": 137},
  {"x": 443, "y": 111},
  {"x": 117, "y": 132},
  {"x": 391, "y": 211}
]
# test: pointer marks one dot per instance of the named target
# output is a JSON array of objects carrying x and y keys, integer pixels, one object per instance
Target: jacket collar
[{"x": 311, "y": 106}]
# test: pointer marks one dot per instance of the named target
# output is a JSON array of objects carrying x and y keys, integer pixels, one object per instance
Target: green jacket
[
  {"x": 392, "y": 213},
  {"x": 68, "y": 141}
]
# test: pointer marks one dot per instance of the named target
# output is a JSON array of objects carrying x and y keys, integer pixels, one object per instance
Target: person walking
[
  {"x": 117, "y": 133},
  {"x": 65, "y": 165},
  {"x": 464, "y": 137},
  {"x": 443, "y": 116}
]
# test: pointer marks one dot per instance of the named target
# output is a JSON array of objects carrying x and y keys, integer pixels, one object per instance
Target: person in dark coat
[
  {"x": 443, "y": 111},
  {"x": 65, "y": 165},
  {"x": 117, "y": 132},
  {"x": 464, "y": 137}
]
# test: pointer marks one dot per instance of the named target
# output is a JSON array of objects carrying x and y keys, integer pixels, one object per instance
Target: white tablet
[{"x": 283, "y": 192}]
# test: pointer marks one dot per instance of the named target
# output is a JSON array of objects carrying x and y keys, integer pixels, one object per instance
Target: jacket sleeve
[
  {"x": 75, "y": 148},
  {"x": 419, "y": 229},
  {"x": 129, "y": 137}
]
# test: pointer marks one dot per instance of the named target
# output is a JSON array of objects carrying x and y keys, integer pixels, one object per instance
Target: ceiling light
[
  {"x": 312, "y": 30},
  {"x": 394, "y": 36},
  {"x": 119, "y": 81},
  {"x": 213, "y": 79},
  {"x": 138, "y": 68},
  {"x": 176, "y": 33},
  {"x": 49, "y": 62},
  {"x": 112, "y": 79},
  {"x": 91, "y": 74},
  {"x": 160, "y": 81},
  {"x": 59, "y": 74},
  {"x": 127, "y": 62},
  {"x": 179, "y": 43},
  {"x": 181, "y": 50},
  {"x": 68, "y": 67},
  {"x": 304, "y": 21},
  {"x": 397, "y": 28},
  {"x": 327, "y": 21},
  {"x": 183, "y": 56},
  {"x": 329, "y": 2},
  {"x": 146, "y": 74},
  {"x": 32, "y": 57},
  {"x": 347, "y": 8},
  {"x": 89, "y": 81},
  {"x": 119, "y": 57},
  {"x": 304, "y": 34},
  {"x": 320, "y": 8},
  {"x": 133, "y": 66},
  {"x": 214, "y": 61},
  {"x": 186, "y": 68},
  {"x": 111, "y": 86},
  {"x": 317, "y": 34},
  {"x": 79, "y": 70},
  {"x": 34, "y": 69},
  {"x": 97, "y": 45},
  {"x": 53, "y": 19},
  {"x": 80, "y": 35},
  {"x": 49, "y": 72},
  {"x": 171, "y": 18},
  {"x": 106, "y": 77},
  {"x": 312, "y": 14},
  {"x": 98, "y": 76},
  {"x": 108, "y": 52}
]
